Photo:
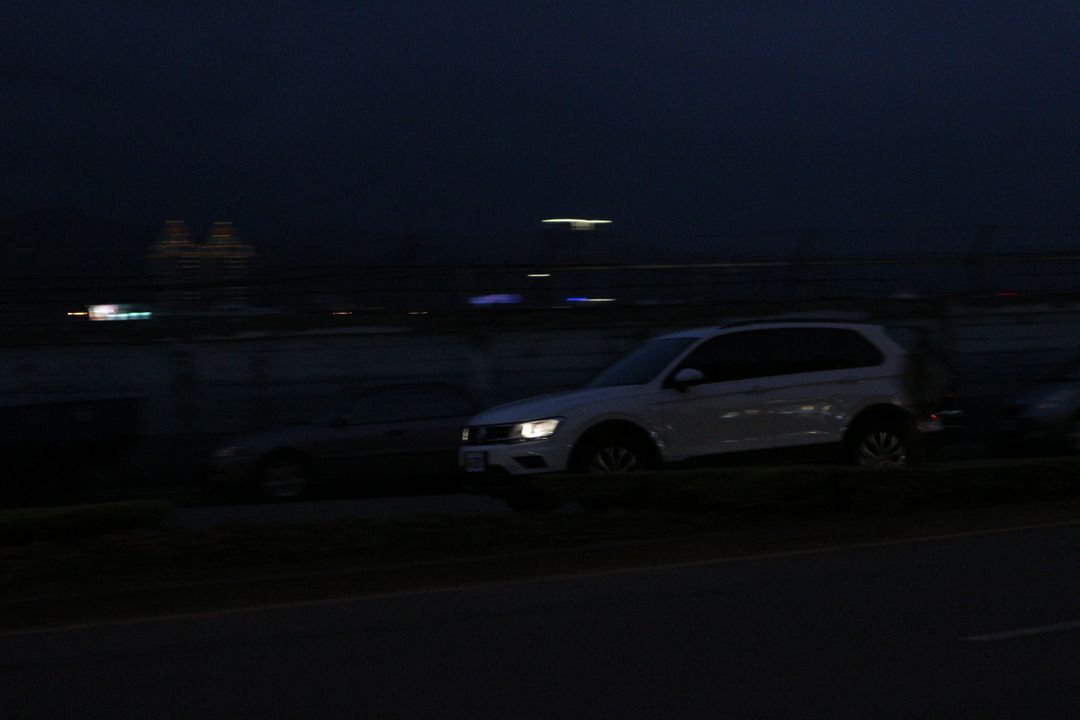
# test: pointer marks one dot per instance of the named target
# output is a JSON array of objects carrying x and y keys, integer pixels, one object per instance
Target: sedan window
[
  {"x": 407, "y": 402},
  {"x": 444, "y": 401}
]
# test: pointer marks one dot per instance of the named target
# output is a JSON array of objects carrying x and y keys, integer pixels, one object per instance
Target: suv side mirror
[{"x": 686, "y": 377}]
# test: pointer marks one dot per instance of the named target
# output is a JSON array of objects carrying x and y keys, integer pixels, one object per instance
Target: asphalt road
[{"x": 976, "y": 627}]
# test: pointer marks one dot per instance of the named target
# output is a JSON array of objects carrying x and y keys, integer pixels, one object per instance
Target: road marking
[
  {"x": 777, "y": 555},
  {"x": 1025, "y": 632}
]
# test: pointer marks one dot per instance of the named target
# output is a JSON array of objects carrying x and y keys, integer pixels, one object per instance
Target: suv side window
[
  {"x": 800, "y": 350},
  {"x": 736, "y": 356},
  {"x": 380, "y": 405}
]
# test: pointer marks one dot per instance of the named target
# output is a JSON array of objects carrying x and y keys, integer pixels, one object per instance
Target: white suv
[{"x": 712, "y": 391}]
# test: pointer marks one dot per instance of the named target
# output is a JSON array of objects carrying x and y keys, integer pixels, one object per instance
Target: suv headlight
[{"x": 537, "y": 429}]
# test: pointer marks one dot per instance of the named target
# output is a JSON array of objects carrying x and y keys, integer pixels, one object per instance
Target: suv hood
[{"x": 554, "y": 405}]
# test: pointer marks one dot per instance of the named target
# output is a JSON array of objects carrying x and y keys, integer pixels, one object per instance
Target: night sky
[{"x": 675, "y": 119}]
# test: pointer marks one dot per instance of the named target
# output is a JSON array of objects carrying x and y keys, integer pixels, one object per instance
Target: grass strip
[
  {"x": 228, "y": 586},
  {"x": 64, "y": 563},
  {"x": 816, "y": 490},
  {"x": 29, "y": 525}
]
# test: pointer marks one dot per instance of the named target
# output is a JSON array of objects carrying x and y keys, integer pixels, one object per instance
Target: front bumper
[
  {"x": 513, "y": 459},
  {"x": 494, "y": 481}
]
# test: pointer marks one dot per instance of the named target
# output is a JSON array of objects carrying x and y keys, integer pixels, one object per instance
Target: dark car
[
  {"x": 381, "y": 433},
  {"x": 1047, "y": 416}
]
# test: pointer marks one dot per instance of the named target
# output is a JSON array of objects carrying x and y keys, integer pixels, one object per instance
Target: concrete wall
[
  {"x": 216, "y": 386},
  {"x": 1000, "y": 353}
]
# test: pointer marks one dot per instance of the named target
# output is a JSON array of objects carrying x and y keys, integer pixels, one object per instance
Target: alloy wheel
[
  {"x": 284, "y": 479},
  {"x": 882, "y": 448},
  {"x": 614, "y": 458}
]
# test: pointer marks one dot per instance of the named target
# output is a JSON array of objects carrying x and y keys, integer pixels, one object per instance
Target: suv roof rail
[{"x": 822, "y": 321}]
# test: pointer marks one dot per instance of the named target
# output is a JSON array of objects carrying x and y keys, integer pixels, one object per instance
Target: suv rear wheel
[{"x": 881, "y": 442}]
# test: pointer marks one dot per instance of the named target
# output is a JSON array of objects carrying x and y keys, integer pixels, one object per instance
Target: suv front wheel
[{"x": 612, "y": 452}]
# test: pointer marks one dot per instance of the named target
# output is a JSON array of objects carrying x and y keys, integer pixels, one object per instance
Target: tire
[
  {"x": 882, "y": 443},
  {"x": 284, "y": 476},
  {"x": 613, "y": 452}
]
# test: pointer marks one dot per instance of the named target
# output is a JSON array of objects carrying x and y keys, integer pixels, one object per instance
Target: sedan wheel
[
  {"x": 881, "y": 447},
  {"x": 284, "y": 478}
]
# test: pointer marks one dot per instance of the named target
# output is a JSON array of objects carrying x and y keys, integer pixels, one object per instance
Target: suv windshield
[{"x": 642, "y": 364}]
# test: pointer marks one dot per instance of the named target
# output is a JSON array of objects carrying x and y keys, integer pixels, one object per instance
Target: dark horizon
[
  {"x": 689, "y": 122},
  {"x": 72, "y": 242}
]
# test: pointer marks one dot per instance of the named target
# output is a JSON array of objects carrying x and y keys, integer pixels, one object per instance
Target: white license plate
[{"x": 475, "y": 461}]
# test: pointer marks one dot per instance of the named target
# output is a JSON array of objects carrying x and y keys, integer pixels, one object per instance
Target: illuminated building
[
  {"x": 568, "y": 245},
  {"x": 226, "y": 265},
  {"x": 578, "y": 243},
  {"x": 191, "y": 275},
  {"x": 176, "y": 265}
]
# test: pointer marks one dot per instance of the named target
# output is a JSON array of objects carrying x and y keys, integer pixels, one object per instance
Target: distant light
[
  {"x": 538, "y": 275},
  {"x": 116, "y": 312},
  {"x": 78, "y": 313},
  {"x": 589, "y": 300},
  {"x": 578, "y": 223},
  {"x": 496, "y": 299},
  {"x": 341, "y": 312},
  {"x": 418, "y": 312},
  {"x": 1008, "y": 294},
  {"x": 103, "y": 312}
]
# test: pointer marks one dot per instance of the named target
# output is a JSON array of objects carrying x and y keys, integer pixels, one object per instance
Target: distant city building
[
  {"x": 176, "y": 266},
  {"x": 191, "y": 275},
  {"x": 226, "y": 265},
  {"x": 568, "y": 246}
]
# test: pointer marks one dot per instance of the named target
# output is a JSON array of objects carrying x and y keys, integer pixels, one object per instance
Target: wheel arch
[
  {"x": 615, "y": 426},
  {"x": 887, "y": 414},
  {"x": 879, "y": 412},
  {"x": 283, "y": 452}
]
